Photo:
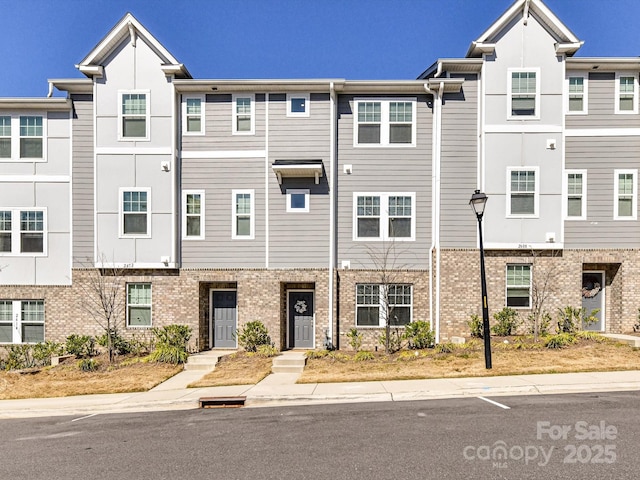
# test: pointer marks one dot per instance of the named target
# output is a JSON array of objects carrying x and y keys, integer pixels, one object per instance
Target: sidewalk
[{"x": 281, "y": 389}]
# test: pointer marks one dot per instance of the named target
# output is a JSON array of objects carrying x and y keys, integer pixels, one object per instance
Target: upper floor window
[
  {"x": 23, "y": 231},
  {"x": 134, "y": 116},
  {"x": 298, "y": 105},
  {"x": 193, "y": 214},
  {"x": 522, "y": 190},
  {"x": 384, "y": 216},
  {"x": 243, "y": 214},
  {"x": 626, "y": 93},
  {"x": 626, "y": 195},
  {"x": 524, "y": 93},
  {"x": 243, "y": 114},
  {"x": 193, "y": 115},
  {"x": 576, "y": 195},
  {"x": 577, "y": 95},
  {"x": 298, "y": 200},
  {"x": 134, "y": 213},
  {"x": 385, "y": 122},
  {"x": 22, "y": 137}
]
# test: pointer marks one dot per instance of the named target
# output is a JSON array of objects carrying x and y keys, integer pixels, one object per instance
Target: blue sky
[{"x": 352, "y": 39}]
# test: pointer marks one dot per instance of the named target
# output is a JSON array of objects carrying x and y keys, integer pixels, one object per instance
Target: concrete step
[
  {"x": 289, "y": 362},
  {"x": 204, "y": 361},
  {"x": 628, "y": 339}
]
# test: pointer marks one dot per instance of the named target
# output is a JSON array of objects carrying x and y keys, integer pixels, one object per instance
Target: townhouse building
[{"x": 312, "y": 205}]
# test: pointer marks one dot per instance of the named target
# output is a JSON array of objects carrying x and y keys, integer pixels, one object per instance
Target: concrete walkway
[{"x": 280, "y": 389}]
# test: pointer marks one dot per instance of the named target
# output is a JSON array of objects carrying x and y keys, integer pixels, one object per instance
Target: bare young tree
[
  {"x": 104, "y": 299},
  {"x": 543, "y": 287}
]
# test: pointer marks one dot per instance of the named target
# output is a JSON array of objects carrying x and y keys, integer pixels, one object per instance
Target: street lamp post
[{"x": 478, "y": 202}]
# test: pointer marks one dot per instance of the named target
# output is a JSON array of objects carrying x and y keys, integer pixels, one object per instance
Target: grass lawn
[{"x": 236, "y": 369}]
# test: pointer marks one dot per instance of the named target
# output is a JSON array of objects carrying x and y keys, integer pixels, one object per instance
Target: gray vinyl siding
[
  {"x": 601, "y": 105},
  {"x": 219, "y": 123},
  {"x": 218, "y": 178},
  {"x": 600, "y": 156},
  {"x": 459, "y": 165},
  {"x": 82, "y": 181},
  {"x": 299, "y": 239},
  {"x": 379, "y": 169}
]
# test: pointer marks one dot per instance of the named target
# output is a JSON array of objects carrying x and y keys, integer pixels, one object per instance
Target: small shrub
[
  {"x": 476, "y": 326},
  {"x": 171, "y": 344},
  {"x": 363, "y": 356},
  {"x": 408, "y": 356},
  {"x": 252, "y": 335},
  {"x": 419, "y": 335},
  {"x": 560, "y": 340},
  {"x": 506, "y": 322},
  {"x": 42, "y": 352},
  {"x": 88, "y": 365},
  {"x": 588, "y": 335},
  {"x": 120, "y": 345},
  {"x": 446, "y": 347},
  {"x": 318, "y": 353},
  {"x": 267, "y": 351},
  {"x": 19, "y": 357},
  {"x": 80, "y": 345},
  {"x": 355, "y": 339},
  {"x": 544, "y": 324},
  {"x": 395, "y": 340}
]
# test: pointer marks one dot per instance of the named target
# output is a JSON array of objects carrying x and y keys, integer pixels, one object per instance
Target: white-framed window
[
  {"x": 524, "y": 93},
  {"x": 298, "y": 200},
  {"x": 388, "y": 122},
  {"x": 243, "y": 114},
  {"x": 522, "y": 191},
  {"x": 22, "y": 137},
  {"x": 576, "y": 191},
  {"x": 298, "y": 105},
  {"x": 519, "y": 286},
  {"x": 626, "y": 93},
  {"x": 193, "y": 214},
  {"x": 625, "y": 202},
  {"x": 243, "y": 214},
  {"x": 577, "y": 94},
  {"x": 193, "y": 115},
  {"x": 138, "y": 305},
  {"x": 21, "y": 321},
  {"x": 23, "y": 231},
  {"x": 135, "y": 209},
  {"x": 384, "y": 216},
  {"x": 133, "y": 115},
  {"x": 372, "y": 299}
]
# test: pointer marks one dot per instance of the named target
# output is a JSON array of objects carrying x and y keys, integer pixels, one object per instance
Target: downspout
[
  {"x": 175, "y": 202},
  {"x": 332, "y": 193},
  {"x": 267, "y": 98},
  {"x": 437, "y": 205}
]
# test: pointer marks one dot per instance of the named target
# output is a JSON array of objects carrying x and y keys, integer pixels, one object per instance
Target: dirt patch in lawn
[
  {"x": 126, "y": 375},
  {"x": 236, "y": 369},
  {"x": 467, "y": 360}
]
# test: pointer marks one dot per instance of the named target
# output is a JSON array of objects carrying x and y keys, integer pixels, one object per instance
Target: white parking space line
[
  {"x": 495, "y": 403},
  {"x": 85, "y": 417}
]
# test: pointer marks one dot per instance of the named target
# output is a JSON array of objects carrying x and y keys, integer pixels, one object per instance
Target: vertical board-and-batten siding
[
  {"x": 459, "y": 165},
  {"x": 299, "y": 239},
  {"x": 380, "y": 169},
  {"x": 601, "y": 156},
  {"x": 82, "y": 182}
]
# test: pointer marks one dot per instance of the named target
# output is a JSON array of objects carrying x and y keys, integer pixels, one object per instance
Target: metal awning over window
[{"x": 298, "y": 168}]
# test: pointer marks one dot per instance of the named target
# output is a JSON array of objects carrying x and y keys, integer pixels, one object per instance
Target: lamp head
[{"x": 478, "y": 202}]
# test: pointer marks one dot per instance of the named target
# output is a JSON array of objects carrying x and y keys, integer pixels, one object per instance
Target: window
[
  {"x": 524, "y": 93},
  {"x": 385, "y": 122},
  {"x": 297, "y": 200},
  {"x": 23, "y": 232},
  {"x": 31, "y": 135},
  {"x": 576, "y": 195},
  {"x": 298, "y": 104},
  {"x": 243, "y": 118},
  {"x": 135, "y": 212},
  {"x": 371, "y": 300},
  {"x": 519, "y": 286},
  {"x": 384, "y": 216},
  {"x": 21, "y": 321},
  {"x": 134, "y": 116},
  {"x": 522, "y": 189},
  {"x": 626, "y": 88},
  {"x": 193, "y": 218},
  {"x": 625, "y": 201},
  {"x": 193, "y": 115},
  {"x": 577, "y": 94},
  {"x": 243, "y": 221},
  {"x": 138, "y": 305},
  {"x": 5, "y": 137}
]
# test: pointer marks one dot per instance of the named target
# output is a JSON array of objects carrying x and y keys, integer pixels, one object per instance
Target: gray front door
[
  {"x": 224, "y": 318},
  {"x": 593, "y": 299},
  {"x": 301, "y": 330}
]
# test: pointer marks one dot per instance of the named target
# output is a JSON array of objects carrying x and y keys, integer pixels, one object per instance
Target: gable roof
[
  {"x": 129, "y": 27},
  {"x": 567, "y": 41}
]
